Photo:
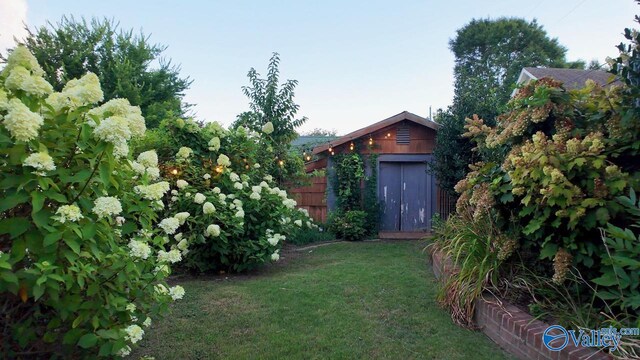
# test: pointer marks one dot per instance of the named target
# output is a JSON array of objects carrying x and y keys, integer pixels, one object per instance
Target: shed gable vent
[{"x": 402, "y": 135}]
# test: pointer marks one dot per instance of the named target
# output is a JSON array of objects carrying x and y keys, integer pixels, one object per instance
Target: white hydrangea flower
[
  {"x": 77, "y": 92},
  {"x": 267, "y": 128},
  {"x": 134, "y": 333},
  {"x": 68, "y": 213},
  {"x": 120, "y": 220},
  {"x": 222, "y": 197},
  {"x": 237, "y": 185},
  {"x": 207, "y": 176},
  {"x": 40, "y": 161},
  {"x": 289, "y": 203},
  {"x": 199, "y": 198},
  {"x": 257, "y": 189},
  {"x": 172, "y": 256},
  {"x": 275, "y": 239},
  {"x": 106, "y": 206},
  {"x": 239, "y": 214},
  {"x": 182, "y": 245},
  {"x": 223, "y": 160},
  {"x": 268, "y": 178},
  {"x": 147, "y": 322},
  {"x": 131, "y": 307},
  {"x": 216, "y": 190},
  {"x": 22, "y": 123},
  {"x": 120, "y": 150},
  {"x": 21, "y": 79},
  {"x": 125, "y": 351},
  {"x": 256, "y": 166},
  {"x": 182, "y": 217},
  {"x": 176, "y": 292},
  {"x": 255, "y": 196},
  {"x": 139, "y": 249},
  {"x": 181, "y": 184},
  {"x": 275, "y": 256},
  {"x": 184, "y": 153},
  {"x": 169, "y": 225},
  {"x": 21, "y": 56},
  {"x": 138, "y": 168},
  {"x": 122, "y": 108},
  {"x": 214, "y": 144},
  {"x": 174, "y": 192},
  {"x": 114, "y": 129},
  {"x": 208, "y": 208},
  {"x": 213, "y": 230},
  {"x": 264, "y": 184},
  {"x": 152, "y": 192},
  {"x": 298, "y": 222},
  {"x": 153, "y": 173},
  {"x": 234, "y": 177},
  {"x": 148, "y": 159}
]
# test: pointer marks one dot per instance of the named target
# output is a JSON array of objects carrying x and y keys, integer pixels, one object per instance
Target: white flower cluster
[
  {"x": 77, "y": 93},
  {"x": 153, "y": 192},
  {"x": 106, "y": 206},
  {"x": 275, "y": 256},
  {"x": 169, "y": 225},
  {"x": 181, "y": 184},
  {"x": 68, "y": 213},
  {"x": 139, "y": 249},
  {"x": 274, "y": 239},
  {"x": 267, "y": 128},
  {"x": 182, "y": 217},
  {"x": 147, "y": 164},
  {"x": 208, "y": 208},
  {"x": 121, "y": 122},
  {"x": 223, "y": 160},
  {"x": 214, "y": 144},
  {"x": 22, "y": 123},
  {"x": 23, "y": 73},
  {"x": 213, "y": 230},
  {"x": 40, "y": 161},
  {"x": 199, "y": 198},
  {"x": 176, "y": 292},
  {"x": 134, "y": 333},
  {"x": 184, "y": 153},
  {"x": 171, "y": 256}
]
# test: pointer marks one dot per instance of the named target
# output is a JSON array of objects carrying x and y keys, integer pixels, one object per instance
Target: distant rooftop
[{"x": 571, "y": 78}]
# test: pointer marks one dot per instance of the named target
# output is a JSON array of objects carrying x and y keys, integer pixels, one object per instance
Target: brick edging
[{"x": 514, "y": 330}]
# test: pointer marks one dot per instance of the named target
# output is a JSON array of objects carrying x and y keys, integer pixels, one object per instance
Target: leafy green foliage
[
  {"x": 349, "y": 172},
  {"x": 303, "y": 236},
  {"x": 348, "y": 225},
  {"x": 273, "y": 106},
  {"x": 620, "y": 280},
  {"x": 122, "y": 60},
  {"x": 489, "y": 55},
  {"x": 71, "y": 284}
]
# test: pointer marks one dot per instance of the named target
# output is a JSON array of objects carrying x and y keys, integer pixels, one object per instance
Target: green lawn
[{"x": 338, "y": 301}]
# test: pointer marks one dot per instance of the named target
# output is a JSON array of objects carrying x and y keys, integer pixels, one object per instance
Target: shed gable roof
[{"x": 405, "y": 115}]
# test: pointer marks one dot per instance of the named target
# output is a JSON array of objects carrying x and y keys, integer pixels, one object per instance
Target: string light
[
  {"x": 174, "y": 171},
  {"x": 308, "y": 158},
  {"x": 351, "y": 146},
  {"x": 281, "y": 162},
  {"x": 330, "y": 148},
  {"x": 219, "y": 169},
  {"x": 370, "y": 140}
]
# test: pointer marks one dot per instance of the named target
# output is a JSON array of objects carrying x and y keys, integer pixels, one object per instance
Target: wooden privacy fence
[{"x": 313, "y": 198}]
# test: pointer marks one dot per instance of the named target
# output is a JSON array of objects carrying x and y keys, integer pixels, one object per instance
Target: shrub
[
  {"x": 81, "y": 263},
  {"x": 235, "y": 218},
  {"x": 349, "y": 225},
  {"x": 301, "y": 236}
]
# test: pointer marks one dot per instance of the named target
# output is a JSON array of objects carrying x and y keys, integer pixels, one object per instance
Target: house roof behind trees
[{"x": 572, "y": 79}]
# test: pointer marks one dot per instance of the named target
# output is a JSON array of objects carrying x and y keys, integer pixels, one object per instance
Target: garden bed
[{"x": 510, "y": 327}]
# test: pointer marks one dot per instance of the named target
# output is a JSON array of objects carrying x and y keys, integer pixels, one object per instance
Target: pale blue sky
[{"x": 357, "y": 61}]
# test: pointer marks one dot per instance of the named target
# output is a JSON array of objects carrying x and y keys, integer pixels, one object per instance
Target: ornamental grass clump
[{"x": 82, "y": 264}]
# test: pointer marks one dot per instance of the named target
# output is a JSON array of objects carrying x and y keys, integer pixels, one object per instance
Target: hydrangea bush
[
  {"x": 232, "y": 215},
  {"x": 82, "y": 266}
]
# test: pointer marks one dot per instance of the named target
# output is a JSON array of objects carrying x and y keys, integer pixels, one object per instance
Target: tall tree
[
  {"x": 123, "y": 62},
  {"x": 271, "y": 103},
  {"x": 489, "y": 55}
]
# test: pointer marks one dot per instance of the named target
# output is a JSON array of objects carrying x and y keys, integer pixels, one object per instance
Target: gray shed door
[{"x": 405, "y": 194}]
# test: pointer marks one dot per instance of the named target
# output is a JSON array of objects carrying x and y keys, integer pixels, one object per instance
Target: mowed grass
[{"x": 367, "y": 300}]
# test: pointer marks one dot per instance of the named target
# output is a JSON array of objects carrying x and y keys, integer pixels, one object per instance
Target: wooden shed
[{"x": 408, "y": 194}]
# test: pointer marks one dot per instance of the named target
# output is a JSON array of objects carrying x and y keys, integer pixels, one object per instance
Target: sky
[{"x": 357, "y": 62}]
